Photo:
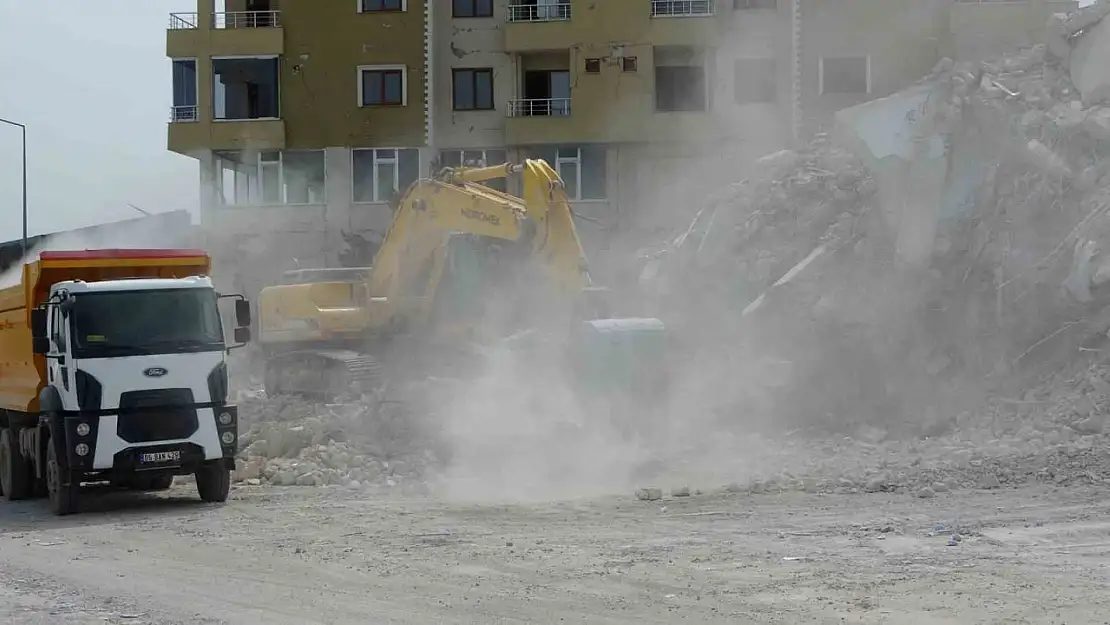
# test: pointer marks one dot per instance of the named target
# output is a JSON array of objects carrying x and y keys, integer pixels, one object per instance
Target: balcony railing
[
  {"x": 553, "y": 12},
  {"x": 681, "y": 8},
  {"x": 183, "y": 113},
  {"x": 183, "y": 21},
  {"x": 547, "y": 107},
  {"x": 247, "y": 19}
]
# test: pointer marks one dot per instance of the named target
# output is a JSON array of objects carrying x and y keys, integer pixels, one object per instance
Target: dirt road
[{"x": 303, "y": 555}]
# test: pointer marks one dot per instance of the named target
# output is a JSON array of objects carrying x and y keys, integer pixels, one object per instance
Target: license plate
[{"x": 160, "y": 457}]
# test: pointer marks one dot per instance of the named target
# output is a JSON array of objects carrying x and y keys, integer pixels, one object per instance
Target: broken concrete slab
[{"x": 1089, "y": 71}]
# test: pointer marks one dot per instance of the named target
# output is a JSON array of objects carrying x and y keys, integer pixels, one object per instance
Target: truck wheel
[
  {"x": 15, "y": 478},
  {"x": 213, "y": 483},
  {"x": 63, "y": 499}
]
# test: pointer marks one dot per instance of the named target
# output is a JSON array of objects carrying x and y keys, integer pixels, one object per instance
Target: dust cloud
[{"x": 166, "y": 230}]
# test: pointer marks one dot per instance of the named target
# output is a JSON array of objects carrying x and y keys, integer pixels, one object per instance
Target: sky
[{"x": 91, "y": 81}]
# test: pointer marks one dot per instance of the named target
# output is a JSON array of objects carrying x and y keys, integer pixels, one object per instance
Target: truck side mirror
[
  {"x": 38, "y": 323},
  {"x": 242, "y": 313},
  {"x": 242, "y": 335}
]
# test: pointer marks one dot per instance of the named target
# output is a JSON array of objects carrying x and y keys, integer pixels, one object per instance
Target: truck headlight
[
  {"x": 227, "y": 438},
  {"x": 226, "y": 418},
  {"x": 81, "y": 449},
  {"x": 83, "y": 429}
]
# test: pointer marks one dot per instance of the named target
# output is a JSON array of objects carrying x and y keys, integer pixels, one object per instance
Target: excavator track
[{"x": 323, "y": 374}]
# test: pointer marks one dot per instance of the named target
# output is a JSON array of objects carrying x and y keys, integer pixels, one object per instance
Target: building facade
[{"x": 309, "y": 116}]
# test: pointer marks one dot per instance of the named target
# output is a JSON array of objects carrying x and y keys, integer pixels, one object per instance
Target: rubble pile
[
  {"x": 287, "y": 441},
  {"x": 806, "y": 255}
]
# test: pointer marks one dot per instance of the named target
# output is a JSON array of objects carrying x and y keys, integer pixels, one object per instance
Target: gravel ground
[{"x": 297, "y": 555}]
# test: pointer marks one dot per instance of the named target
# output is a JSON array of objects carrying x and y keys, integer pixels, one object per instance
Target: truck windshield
[{"x": 146, "y": 322}]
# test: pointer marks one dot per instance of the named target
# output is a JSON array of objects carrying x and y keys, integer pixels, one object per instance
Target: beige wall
[
  {"x": 323, "y": 43},
  {"x": 471, "y": 43}
]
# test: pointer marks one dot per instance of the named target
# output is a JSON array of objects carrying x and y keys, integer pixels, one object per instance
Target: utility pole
[{"x": 23, "y": 136}]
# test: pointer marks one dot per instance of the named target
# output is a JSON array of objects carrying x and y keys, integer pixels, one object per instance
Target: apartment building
[{"x": 308, "y": 116}]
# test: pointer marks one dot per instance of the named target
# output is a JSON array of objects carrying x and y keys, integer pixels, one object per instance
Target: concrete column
[
  {"x": 205, "y": 9},
  {"x": 337, "y": 213},
  {"x": 209, "y": 181}
]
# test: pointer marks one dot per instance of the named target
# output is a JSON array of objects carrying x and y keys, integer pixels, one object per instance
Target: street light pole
[{"x": 23, "y": 136}]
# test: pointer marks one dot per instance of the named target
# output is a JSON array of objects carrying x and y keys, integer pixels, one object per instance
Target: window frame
[
  {"x": 475, "y": 15},
  {"x": 233, "y": 57},
  {"x": 705, "y": 95},
  {"x": 821, "y": 76},
  {"x": 383, "y": 69},
  {"x": 360, "y": 7},
  {"x": 395, "y": 161},
  {"x": 196, "y": 89},
  {"x": 262, "y": 164},
  {"x": 474, "y": 88}
]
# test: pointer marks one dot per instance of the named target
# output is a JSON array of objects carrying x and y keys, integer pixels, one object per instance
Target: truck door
[{"x": 60, "y": 368}]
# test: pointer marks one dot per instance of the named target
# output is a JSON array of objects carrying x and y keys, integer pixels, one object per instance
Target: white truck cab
[{"x": 137, "y": 377}]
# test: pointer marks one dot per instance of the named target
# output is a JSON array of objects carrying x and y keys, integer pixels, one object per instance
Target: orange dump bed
[{"x": 22, "y": 373}]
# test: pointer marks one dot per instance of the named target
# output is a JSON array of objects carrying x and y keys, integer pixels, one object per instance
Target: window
[
  {"x": 754, "y": 4},
  {"x": 593, "y": 66},
  {"x": 378, "y": 6},
  {"x": 473, "y": 89},
  {"x": 184, "y": 90},
  {"x": 476, "y": 158},
  {"x": 754, "y": 81},
  {"x": 472, "y": 8},
  {"x": 382, "y": 85},
  {"x": 380, "y": 174},
  {"x": 273, "y": 177},
  {"x": 680, "y": 88},
  {"x": 845, "y": 75},
  {"x": 581, "y": 168},
  {"x": 629, "y": 64},
  {"x": 245, "y": 88}
]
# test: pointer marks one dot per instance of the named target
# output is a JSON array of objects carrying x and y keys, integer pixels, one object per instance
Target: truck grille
[{"x": 156, "y": 415}]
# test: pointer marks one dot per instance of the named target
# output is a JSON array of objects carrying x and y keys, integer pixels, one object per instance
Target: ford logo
[{"x": 154, "y": 372}]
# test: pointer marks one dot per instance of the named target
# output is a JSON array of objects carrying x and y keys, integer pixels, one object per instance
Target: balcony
[
  {"x": 538, "y": 121},
  {"x": 682, "y": 8},
  {"x": 254, "y": 134},
  {"x": 542, "y": 107},
  {"x": 184, "y": 113},
  {"x": 533, "y": 27},
  {"x": 557, "y": 12},
  {"x": 234, "y": 33}
]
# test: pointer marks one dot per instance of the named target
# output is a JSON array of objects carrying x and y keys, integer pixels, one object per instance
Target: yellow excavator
[{"x": 462, "y": 265}]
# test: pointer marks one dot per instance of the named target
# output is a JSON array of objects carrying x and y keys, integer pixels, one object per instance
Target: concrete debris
[
  {"x": 291, "y": 442},
  {"x": 649, "y": 494}
]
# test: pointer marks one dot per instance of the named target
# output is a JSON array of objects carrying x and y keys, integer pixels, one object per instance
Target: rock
[
  {"x": 875, "y": 485},
  {"x": 940, "y": 487},
  {"x": 649, "y": 494},
  {"x": 253, "y": 481},
  {"x": 681, "y": 491},
  {"x": 989, "y": 482},
  {"x": 925, "y": 493}
]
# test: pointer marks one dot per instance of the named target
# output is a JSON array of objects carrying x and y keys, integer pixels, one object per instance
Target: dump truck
[{"x": 113, "y": 369}]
